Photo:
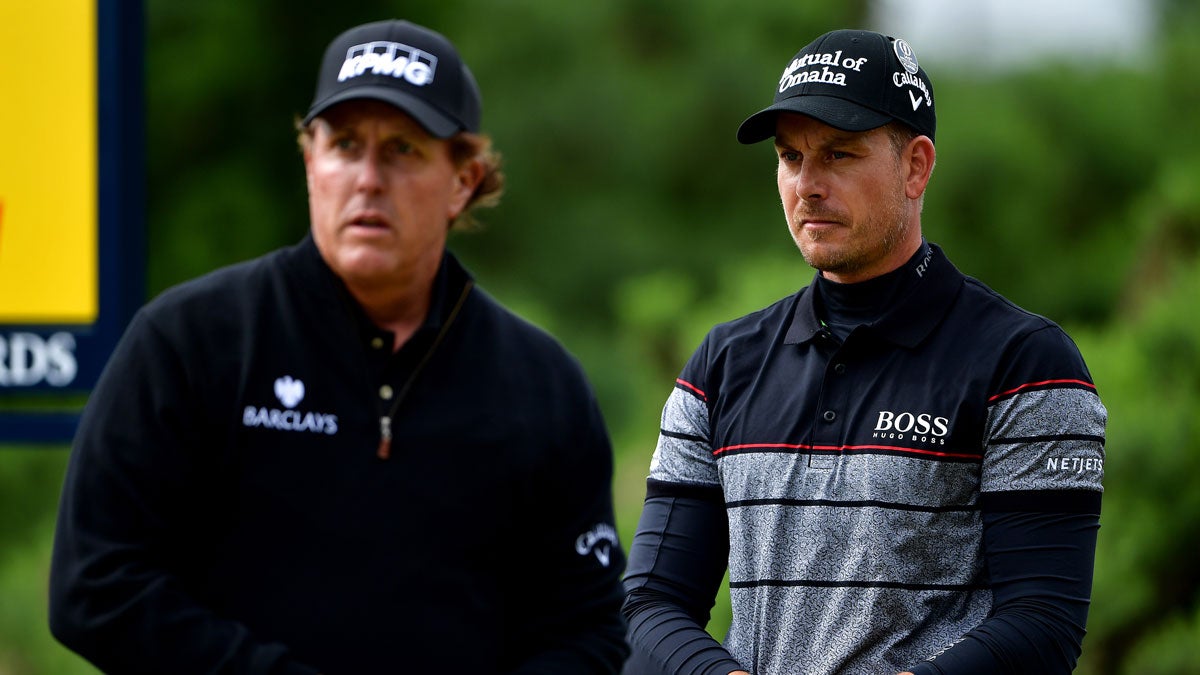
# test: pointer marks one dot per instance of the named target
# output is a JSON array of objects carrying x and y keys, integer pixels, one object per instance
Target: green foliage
[
  {"x": 634, "y": 221},
  {"x": 1146, "y": 368},
  {"x": 1171, "y": 650},
  {"x": 29, "y": 483},
  {"x": 30, "y": 478},
  {"x": 26, "y": 647}
]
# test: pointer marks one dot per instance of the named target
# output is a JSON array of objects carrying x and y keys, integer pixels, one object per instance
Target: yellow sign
[{"x": 49, "y": 262}]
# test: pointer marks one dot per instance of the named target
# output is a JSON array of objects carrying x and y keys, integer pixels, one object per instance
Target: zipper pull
[{"x": 385, "y": 438}]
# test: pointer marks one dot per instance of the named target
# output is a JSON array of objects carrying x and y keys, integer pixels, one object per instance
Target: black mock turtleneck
[{"x": 844, "y": 307}]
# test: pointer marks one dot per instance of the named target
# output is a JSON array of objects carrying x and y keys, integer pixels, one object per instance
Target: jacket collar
[{"x": 448, "y": 285}]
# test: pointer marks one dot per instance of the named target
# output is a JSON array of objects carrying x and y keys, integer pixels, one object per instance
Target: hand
[{"x": 739, "y": 672}]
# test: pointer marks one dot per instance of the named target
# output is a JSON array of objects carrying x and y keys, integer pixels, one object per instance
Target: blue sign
[{"x": 59, "y": 324}]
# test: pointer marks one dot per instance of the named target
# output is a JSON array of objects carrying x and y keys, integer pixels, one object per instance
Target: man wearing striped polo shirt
[{"x": 900, "y": 469}]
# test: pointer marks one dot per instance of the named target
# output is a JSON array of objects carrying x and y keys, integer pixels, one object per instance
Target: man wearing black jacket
[{"x": 344, "y": 457}]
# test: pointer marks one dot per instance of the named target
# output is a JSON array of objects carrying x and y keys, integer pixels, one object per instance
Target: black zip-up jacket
[{"x": 227, "y": 508}]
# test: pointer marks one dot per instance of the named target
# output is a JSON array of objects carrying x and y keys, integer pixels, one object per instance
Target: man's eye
[
  {"x": 789, "y": 156},
  {"x": 344, "y": 143},
  {"x": 838, "y": 154}
]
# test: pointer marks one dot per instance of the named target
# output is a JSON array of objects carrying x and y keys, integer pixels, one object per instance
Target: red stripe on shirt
[
  {"x": 843, "y": 448},
  {"x": 1043, "y": 383},
  {"x": 691, "y": 386}
]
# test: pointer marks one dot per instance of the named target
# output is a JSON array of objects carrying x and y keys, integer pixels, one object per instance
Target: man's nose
[
  {"x": 370, "y": 177},
  {"x": 810, "y": 182}
]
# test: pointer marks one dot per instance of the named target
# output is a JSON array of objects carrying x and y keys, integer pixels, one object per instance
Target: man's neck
[
  {"x": 399, "y": 308},
  {"x": 845, "y": 306}
]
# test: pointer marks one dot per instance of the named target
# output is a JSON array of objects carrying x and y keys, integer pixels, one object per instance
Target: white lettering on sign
[{"x": 28, "y": 359}]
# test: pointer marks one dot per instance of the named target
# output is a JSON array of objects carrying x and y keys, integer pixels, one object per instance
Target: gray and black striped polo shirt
[{"x": 854, "y": 471}]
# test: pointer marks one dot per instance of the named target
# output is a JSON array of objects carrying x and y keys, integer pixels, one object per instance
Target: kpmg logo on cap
[{"x": 389, "y": 58}]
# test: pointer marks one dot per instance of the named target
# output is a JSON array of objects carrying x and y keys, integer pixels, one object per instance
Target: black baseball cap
[
  {"x": 409, "y": 66},
  {"x": 853, "y": 80}
]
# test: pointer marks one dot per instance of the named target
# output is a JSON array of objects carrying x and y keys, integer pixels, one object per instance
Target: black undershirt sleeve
[
  {"x": 1040, "y": 568},
  {"x": 676, "y": 564}
]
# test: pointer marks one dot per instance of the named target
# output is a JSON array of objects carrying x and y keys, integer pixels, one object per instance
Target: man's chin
[
  {"x": 364, "y": 266},
  {"x": 822, "y": 256}
]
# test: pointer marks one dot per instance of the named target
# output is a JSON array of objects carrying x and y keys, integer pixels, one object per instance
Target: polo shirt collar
[{"x": 910, "y": 319}]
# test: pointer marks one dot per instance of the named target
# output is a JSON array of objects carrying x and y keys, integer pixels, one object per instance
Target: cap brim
[
  {"x": 437, "y": 123},
  {"x": 836, "y": 112}
]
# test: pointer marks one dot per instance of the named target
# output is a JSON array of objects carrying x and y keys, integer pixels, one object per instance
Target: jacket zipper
[{"x": 384, "y": 451}]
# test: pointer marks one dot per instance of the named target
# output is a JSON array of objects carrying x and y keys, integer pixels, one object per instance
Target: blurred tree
[{"x": 1148, "y": 370}]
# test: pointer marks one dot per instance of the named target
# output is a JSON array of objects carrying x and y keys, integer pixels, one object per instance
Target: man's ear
[
  {"x": 919, "y": 158},
  {"x": 466, "y": 179}
]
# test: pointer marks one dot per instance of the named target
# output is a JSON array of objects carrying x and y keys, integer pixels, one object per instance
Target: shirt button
[
  {"x": 377, "y": 342},
  {"x": 829, "y": 416},
  {"x": 839, "y": 368},
  {"x": 385, "y": 393}
]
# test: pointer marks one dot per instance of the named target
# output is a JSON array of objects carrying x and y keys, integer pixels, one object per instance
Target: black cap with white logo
[
  {"x": 409, "y": 66},
  {"x": 853, "y": 80}
]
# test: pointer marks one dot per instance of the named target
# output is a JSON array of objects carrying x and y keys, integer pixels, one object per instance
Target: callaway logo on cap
[
  {"x": 406, "y": 65},
  {"x": 854, "y": 80}
]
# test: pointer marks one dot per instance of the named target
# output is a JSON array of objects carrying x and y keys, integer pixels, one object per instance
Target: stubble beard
[{"x": 884, "y": 230}]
